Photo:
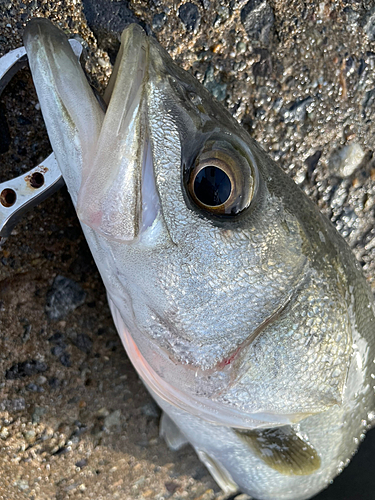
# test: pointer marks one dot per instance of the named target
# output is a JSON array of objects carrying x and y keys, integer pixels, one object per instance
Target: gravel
[
  {"x": 25, "y": 369},
  {"x": 261, "y": 58}
]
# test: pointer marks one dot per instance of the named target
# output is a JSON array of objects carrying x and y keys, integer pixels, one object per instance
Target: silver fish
[{"x": 242, "y": 309}]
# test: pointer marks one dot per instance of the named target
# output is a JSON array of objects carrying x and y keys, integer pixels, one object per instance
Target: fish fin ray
[
  {"x": 218, "y": 472},
  {"x": 282, "y": 450},
  {"x": 171, "y": 433}
]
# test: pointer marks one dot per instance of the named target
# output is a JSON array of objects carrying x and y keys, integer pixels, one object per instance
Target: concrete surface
[{"x": 75, "y": 422}]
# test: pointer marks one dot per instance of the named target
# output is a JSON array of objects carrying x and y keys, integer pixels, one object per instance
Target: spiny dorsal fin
[{"x": 282, "y": 450}]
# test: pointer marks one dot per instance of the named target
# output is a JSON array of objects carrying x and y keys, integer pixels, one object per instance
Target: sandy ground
[{"x": 75, "y": 421}]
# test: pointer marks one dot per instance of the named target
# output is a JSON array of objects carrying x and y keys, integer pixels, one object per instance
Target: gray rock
[
  {"x": 34, "y": 388},
  {"x": 65, "y": 360},
  {"x": 190, "y": 16},
  {"x": 297, "y": 111},
  {"x": 263, "y": 67},
  {"x": 81, "y": 463},
  {"x": 312, "y": 161},
  {"x": 113, "y": 419},
  {"x": 64, "y": 296},
  {"x": 257, "y": 18},
  {"x": 351, "y": 15},
  {"x": 368, "y": 24},
  {"x": 158, "y": 21},
  {"x": 80, "y": 340},
  {"x": 205, "y": 4},
  {"x": 344, "y": 161},
  {"x": 217, "y": 89},
  {"x": 83, "y": 342},
  {"x": 57, "y": 350},
  {"x": 151, "y": 409},
  {"x": 107, "y": 20},
  {"x": 37, "y": 414}
]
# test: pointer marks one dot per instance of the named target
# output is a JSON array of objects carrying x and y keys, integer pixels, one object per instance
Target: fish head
[{"x": 194, "y": 231}]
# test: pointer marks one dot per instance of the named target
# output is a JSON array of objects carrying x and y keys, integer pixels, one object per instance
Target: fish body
[{"x": 241, "y": 307}]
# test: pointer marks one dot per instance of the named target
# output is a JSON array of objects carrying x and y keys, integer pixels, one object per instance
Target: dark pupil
[{"x": 212, "y": 186}]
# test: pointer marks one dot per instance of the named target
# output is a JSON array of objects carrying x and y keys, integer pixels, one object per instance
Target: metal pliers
[{"x": 24, "y": 192}]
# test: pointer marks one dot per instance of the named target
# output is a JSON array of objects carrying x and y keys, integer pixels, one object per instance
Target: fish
[{"x": 242, "y": 309}]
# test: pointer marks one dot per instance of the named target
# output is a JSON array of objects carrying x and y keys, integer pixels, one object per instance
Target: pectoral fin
[
  {"x": 282, "y": 450},
  {"x": 171, "y": 433},
  {"x": 218, "y": 472}
]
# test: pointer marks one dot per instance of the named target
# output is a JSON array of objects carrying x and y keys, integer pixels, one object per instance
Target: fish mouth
[
  {"x": 118, "y": 197},
  {"x": 105, "y": 158}
]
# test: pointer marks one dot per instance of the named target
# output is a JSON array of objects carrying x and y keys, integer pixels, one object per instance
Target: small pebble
[
  {"x": 4, "y": 433},
  {"x": 113, "y": 419},
  {"x": 241, "y": 47},
  {"x": 343, "y": 162},
  {"x": 37, "y": 414},
  {"x": 151, "y": 409},
  {"x": 189, "y": 15},
  {"x": 22, "y": 484},
  {"x": 257, "y": 18},
  {"x": 81, "y": 463},
  {"x": 30, "y": 436},
  {"x": 158, "y": 21},
  {"x": 82, "y": 341},
  {"x": 64, "y": 296},
  {"x": 297, "y": 111},
  {"x": 65, "y": 360},
  {"x": 217, "y": 89},
  {"x": 103, "y": 412}
]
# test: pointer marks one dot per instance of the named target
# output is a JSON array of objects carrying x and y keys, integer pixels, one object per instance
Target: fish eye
[
  {"x": 212, "y": 186},
  {"x": 221, "y": 180}
]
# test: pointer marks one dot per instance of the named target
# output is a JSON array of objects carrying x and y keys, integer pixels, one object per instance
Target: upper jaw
[{"x": 111, "y": 199}]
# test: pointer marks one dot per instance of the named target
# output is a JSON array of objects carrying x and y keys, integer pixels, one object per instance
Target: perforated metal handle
[{"x": 27, "y": 190}]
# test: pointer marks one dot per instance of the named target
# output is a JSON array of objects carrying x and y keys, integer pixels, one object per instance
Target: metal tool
[{"x": 29, "y": 189}]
